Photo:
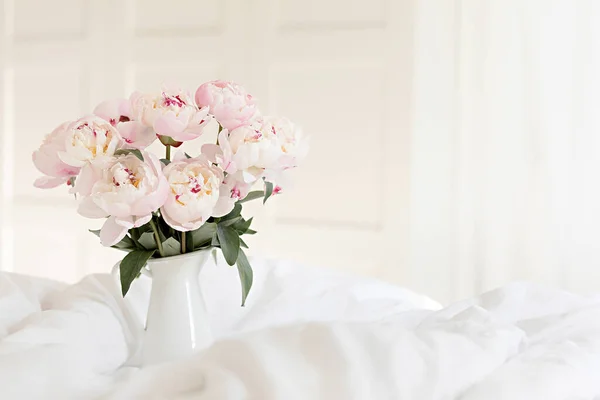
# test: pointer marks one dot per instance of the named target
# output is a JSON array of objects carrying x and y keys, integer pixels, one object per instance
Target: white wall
[{"x": 341, "y": 69}]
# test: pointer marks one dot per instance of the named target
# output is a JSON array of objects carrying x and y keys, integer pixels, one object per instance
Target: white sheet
[{"x": 305, "y": 334}]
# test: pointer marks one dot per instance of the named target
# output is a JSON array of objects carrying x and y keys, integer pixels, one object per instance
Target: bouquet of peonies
[{"x": 164, "y": 207}]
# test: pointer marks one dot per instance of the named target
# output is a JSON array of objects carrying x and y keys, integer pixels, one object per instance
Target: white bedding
[{"x": 305, "y": 334}]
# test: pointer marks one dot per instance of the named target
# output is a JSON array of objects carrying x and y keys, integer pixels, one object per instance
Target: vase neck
[{"x": 187, "y": 265}]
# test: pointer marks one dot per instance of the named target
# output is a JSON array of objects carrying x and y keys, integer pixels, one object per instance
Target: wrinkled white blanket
[{"x": 305, "y": 334}]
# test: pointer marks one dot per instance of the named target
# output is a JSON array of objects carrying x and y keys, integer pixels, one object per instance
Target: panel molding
[
  {"x": 209, "y": 31},
  {"x": 321, "y": 27},
  {"x": 178, "y": 29},
  {"x": 330, "y": 16},
  {"x": 329, "y": 223},
  {"x": 42, "y": 36}
]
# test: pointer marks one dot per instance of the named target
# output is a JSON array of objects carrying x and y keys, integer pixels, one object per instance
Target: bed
[{"x": 306, "y": 333}]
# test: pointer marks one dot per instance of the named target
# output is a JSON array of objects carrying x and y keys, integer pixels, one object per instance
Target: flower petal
[
  {"x": 179, "y": 156},
  {"x": 185, "y": 227},
  {"x": 70, "y": 160},
  {"x": 136, "y": 135},
  {"x": 86, "y": 180},
  {"x": 109, "y": 110},
  {"x": 154, "y": 162},
  {"x": 152, "y": 201},
  {"x": 139, "y": 221},
  {"x": 212, "y": 152},
  {"x": 168, "y": 125},
  {"x": 249, "y": 177},
  {"x": 246, "y": 156},
  {"x": 48, "y": 182},
  {"x": 126, "y": 222},
  {"x": 111, "y": 232},
  {"x": 224, "y": 205},
  {"x": 89, "y": 209}
]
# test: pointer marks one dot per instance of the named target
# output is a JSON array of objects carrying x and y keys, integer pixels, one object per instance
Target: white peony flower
[
  {"x": 127, "y": 191},
  {"x": 195, "y": 193},
  {"x": 90, "y": 139},
  {"x": 47, "y": 161},
  {"x": 293, "y": 146},
  {"x": 264, "y": 148}
]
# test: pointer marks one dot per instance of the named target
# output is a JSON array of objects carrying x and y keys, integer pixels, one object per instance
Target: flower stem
[
  {"x": 168, "y": 152},
  {"x": 157, "y": 238},
  {"x": 219, "y": 131},
  {"x": 183, "y": 243}
]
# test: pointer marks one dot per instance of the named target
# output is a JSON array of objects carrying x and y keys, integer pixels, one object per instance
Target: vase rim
[{"x": 180, "y": 256}]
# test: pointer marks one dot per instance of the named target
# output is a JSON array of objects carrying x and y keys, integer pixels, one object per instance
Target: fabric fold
[{"x": 306, "y": 333}]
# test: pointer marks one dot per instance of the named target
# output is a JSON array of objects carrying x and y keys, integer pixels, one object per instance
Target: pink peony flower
[
  {"x": 195, "y": 194},
  {"x": 127, "y": 191},
  {"x": 228, "y": 102},
  {"x": 118, "y": 113},
  {"x": 47, "y": 161},
  {"x": 171, "y": 113}
]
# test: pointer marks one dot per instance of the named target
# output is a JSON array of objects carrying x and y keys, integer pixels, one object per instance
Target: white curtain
[{"x": 505, "y": 145}]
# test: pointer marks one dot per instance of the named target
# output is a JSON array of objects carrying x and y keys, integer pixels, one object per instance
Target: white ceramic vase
[{"x": 177, "y": 322}]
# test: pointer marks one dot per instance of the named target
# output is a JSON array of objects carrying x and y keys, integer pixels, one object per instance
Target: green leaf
[
  {"x": 147, "y": 240},
  {"x": 135, "y": 234},
  {"x": 243, "y": 244},
  {"x": 268, "y": 191},
  {"x": 230, "y": 243},
  {"x": 131, "y": 266},
  {"x": 135, "y": 152},
  {"x": 125, "y": 243},
  {"x": 165, "y": 161},
  {"x": 171, "y": 247},
  {"x": 125, "y": 250},
  {"x": 95, "y": 232},
  {"x": 145, "y": 228},
  {"x": 242, "y": 226},
  {"x": 215, "y": 240},
  {"x": 245, "y": 273},
  {"x": 169, "y": 141},
  {"x": 237, "y": 210},
  {"x": 231, "y": 221},
  {"x": 249, "y": 232},
  {"x": 204, "y": 234},
  {"x": 257, "y": 194}
]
